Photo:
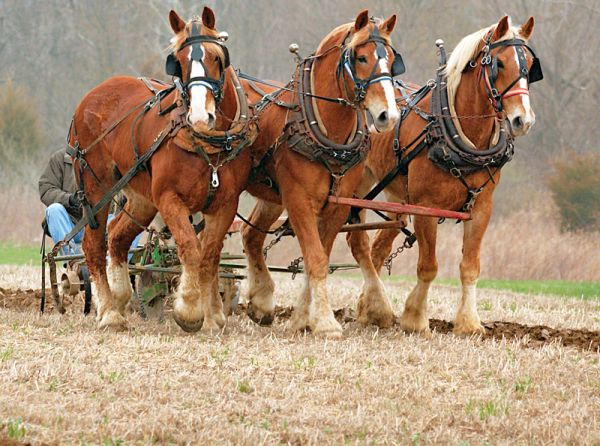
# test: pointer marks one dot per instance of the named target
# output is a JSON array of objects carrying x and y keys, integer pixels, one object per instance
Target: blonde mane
[{"x": 465, "y": 51}]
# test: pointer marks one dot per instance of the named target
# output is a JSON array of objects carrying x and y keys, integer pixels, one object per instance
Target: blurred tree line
[{"x": 53, "y": 52}]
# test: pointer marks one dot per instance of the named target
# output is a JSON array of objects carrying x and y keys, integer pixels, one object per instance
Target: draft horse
[
  {"x": 314, "y": 139},
  {"x": 193, "y": 138},
  {"x": 447, "y": 152}
]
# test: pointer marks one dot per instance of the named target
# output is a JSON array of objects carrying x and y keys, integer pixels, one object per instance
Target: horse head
[
  {"x": 198, "y": 62},
  {"x": 366, "y": 67},
  {"x": 507, "y": 68}
]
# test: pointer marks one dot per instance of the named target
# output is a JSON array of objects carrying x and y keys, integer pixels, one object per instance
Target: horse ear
[
  {"x": 389, "y": 25},
  {"x": 177, "y": 24},
  {"x": 361, "y": 19},
  {"x": 208, "y": 17},
  {"x": 501, "y": 28},
  {"x": 527, "y": 28}
]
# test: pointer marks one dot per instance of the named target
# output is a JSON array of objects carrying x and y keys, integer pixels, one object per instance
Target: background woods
[{"x": 53, "y": 52}]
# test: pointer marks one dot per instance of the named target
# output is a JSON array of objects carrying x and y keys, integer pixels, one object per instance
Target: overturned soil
[{"x": 532, "y": 336}]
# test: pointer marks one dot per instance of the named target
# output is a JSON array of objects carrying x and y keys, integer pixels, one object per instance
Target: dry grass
[
  {"x": 21, "y": 214},
  {"x": 70, "y": 383}
]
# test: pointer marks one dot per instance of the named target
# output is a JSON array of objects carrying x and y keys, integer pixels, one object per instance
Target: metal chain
[
  {"x": 270, "y": 245},
  {"x": 295, "y": 266},
  {"x": 387, "y": 264},
  {"x": 408, "y": 243},
  {"x": 443, "y": 115},
  {"x": 280, "y": 232}
]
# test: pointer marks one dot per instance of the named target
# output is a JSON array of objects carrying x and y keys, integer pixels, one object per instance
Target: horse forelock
[
  {"x": 466, "y": 50},
  {"x": 336, "y": 36},
  {"x": 178, "y": 39},
  {"x": 363, "y": 34}
]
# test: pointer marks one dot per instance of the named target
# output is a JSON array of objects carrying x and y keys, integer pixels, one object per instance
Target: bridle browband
[
  {"x": 489, "y": 69},
  {"x": 348, "y": 63},
  {"x": 173, "y": 67}
]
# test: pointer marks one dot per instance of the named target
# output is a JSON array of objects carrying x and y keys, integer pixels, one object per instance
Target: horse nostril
[
  {"x": 383, "y": 117},
  {"x": 211, "y": 119},
  {"x": 517, "y": 122}
]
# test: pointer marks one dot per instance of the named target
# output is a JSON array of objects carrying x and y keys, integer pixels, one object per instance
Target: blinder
[
  {"x": 535, "y": 72},
  {"x": 494, "y": 69},
  {"x": 398, "y": 66},
  {"x": 172, "y": 66}
]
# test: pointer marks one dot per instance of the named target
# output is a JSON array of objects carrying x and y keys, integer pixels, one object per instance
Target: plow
[{"x": 154, "y": 267}]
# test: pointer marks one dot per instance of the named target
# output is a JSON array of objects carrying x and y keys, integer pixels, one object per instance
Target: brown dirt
[{"x": 530, "y": 335}]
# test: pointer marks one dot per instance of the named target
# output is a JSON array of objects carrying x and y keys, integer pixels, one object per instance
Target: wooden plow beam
[
  {"x": 237, "y": 224},
  {"x": 399, "y": 208}
]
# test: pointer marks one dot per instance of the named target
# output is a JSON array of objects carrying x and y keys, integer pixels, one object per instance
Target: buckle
[{"x": 455, "y": 172}]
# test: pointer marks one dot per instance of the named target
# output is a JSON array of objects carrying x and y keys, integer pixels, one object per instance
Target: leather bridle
[
  {"x": 348, "y": 63},
  {"x": 173, "y": 67},
  {"x": 489, "y": 70}
]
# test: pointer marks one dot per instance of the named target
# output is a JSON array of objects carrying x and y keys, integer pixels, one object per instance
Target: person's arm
[{"x": 50, "y": 184}]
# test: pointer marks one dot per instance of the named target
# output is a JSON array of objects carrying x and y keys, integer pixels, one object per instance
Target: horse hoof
[
  {"x": 113, "y": 320},
  {"x": 379, "y": 319},
  {"x": 468, "y": 329},
  {"x": 187, "y": 326},
  {"x": 410, "y": 323},
  {"x": 259, "y": 317},
  {"x": 328, "y": 328},
  {"x": 330, "y": 334}
]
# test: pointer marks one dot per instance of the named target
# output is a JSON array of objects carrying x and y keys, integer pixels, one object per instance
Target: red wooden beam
[{"x": 399, "y": 208}]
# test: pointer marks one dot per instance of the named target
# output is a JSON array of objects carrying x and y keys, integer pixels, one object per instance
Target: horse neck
[
  {"x": 479, "y": 130},
  {"x": 228, "y": 107},
  {"x": 339, "y": 120}
]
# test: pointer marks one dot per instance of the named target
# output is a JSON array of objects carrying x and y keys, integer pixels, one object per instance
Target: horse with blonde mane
[
  {"x": 314, "y": 139},
  {"x": 192, "y": 137},
  {"x": 454, "y": 164}
]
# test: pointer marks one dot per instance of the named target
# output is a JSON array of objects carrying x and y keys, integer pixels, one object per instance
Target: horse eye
[
  {"x": 362, "y": 59},
  {"x": 500, "y": 64}
]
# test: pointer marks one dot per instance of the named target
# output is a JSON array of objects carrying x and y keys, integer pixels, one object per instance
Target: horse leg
[
  {"x": 211, "y": 245},
  {"x": 188, "y": 310},
  {"x": 312, "y": 309},
  {"x": 121, "y": 233},
  {"x": 261, "y": 286},
  {"x": 467, "y": 320},
  {"x": 414, "y": 318},
  {"x": 373, "y": 304},
  {"x": 94, "y": 248}
]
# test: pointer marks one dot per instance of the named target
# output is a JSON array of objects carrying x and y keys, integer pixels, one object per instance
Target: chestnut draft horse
[
  {"x": 487, "y": 104},
  {"x": 200, "y": 130},
  {"x": 314, "y": 143}
]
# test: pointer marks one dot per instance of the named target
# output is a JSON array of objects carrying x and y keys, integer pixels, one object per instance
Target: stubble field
[{"x": 65, "y": 382}]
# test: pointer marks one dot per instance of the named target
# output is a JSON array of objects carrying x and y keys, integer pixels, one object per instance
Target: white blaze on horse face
[
  {"x": 524, "y": 110},
  {"x": 198, "y": 113},
  {"x": 389, "y": 110}
]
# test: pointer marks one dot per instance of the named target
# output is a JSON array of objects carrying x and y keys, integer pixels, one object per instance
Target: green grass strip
[
  {"x": 565, "y": 288},
  {"x": 19, "y": 255}
]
